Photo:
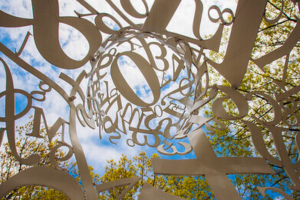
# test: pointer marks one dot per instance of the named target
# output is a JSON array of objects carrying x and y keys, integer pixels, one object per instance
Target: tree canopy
[
  {"x": 26, "y": 146},
  {"x": 263, "y": 86},
  {"x": 188, "y": 187},
  {"x": 253, "y": 135}
]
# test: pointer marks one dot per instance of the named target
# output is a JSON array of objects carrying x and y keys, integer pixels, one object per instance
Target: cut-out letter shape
[
  {"x": 215, "y": 169},
  {"x": 149, "y": 193},
  {"x": 46, "y": 32}
]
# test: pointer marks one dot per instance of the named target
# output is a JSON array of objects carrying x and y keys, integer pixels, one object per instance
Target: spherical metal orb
[{"x": 140, "y": 86}]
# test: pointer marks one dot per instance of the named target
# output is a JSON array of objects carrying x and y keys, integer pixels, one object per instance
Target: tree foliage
[
  {"x": 27, "y": 146},
  {"x": 274, "y": 79},
  {"x": 188, "y": 187}
]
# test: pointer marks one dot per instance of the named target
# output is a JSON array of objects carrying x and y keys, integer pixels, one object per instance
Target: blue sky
[
  {"x": 75, "y": 46},
  {"x": 72, "y": 42}
]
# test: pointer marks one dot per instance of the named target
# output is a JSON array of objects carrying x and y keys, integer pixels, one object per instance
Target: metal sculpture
[{"x": 173, "y": 75}]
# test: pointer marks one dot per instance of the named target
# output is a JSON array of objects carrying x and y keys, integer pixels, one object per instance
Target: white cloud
[
  {"x": 17, "y": 8},
  {"x": 76, "y": 46},
  {"x": 73, "y": 42}
]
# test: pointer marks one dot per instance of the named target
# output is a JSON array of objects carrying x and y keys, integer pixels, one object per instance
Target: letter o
[{"x": 148, "y": 73}]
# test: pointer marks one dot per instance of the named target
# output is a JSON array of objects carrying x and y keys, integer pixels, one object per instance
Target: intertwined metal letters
[{"x": 174, "y": 68}]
